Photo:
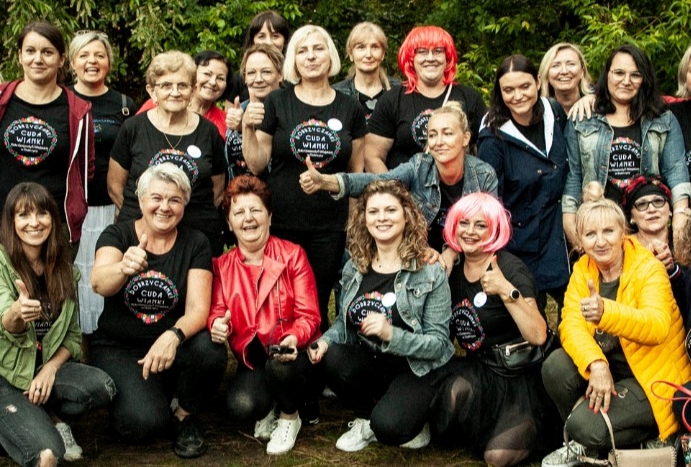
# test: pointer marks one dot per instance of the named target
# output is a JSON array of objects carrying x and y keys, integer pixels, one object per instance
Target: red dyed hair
[
  {"x": 428, "y": 37},
  {"x": 246, "y": 185},
  {"x": 497, "y": 217}
]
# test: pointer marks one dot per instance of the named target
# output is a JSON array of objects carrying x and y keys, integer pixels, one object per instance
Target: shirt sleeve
[
  {"x": 383, "y": 119},
  {"x": 270, "y": 121},
  {"x": 121, "y": 148}
]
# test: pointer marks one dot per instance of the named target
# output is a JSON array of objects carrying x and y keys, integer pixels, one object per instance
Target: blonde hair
[
  {"x": 584, "y": 85},
  {"x": 82, "y": 40},
  {"x": 595, "y": 208},
  {"x": 360, "y": 33},
  {"x": 683, "y": 90},
  {"x": 171, "y": 62},
  {"x": 456, "y": 109},
  {"x": 290, "y": 72}
]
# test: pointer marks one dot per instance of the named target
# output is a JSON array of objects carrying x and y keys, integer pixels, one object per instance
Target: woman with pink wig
[
  {"x": 398, "y": 127},
  {"x": 492, "y": 304}
]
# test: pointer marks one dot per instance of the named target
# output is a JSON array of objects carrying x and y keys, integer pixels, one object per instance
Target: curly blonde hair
[{"x": 361, "y": 245}]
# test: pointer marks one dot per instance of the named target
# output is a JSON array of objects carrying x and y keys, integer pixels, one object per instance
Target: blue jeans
[
  {"x": 26, "y": 429},
  {"x": 141, "y": 408}
]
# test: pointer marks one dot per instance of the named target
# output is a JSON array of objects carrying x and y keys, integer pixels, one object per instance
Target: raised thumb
[
  {"x": 236, "y": 102},
  {"x": 591, "y": 288},
  {"x": 495, "y": 266},
  {"x": 226, "y": 318},
  {"x": 310, "y": 166},
  {"x": 22, "y": 287},
  {"x": 143, "y": 242}
]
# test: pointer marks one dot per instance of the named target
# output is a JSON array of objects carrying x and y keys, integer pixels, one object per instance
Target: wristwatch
[
  {"x": 178, "y": 332},
  {"x": 514, "y": 295}
]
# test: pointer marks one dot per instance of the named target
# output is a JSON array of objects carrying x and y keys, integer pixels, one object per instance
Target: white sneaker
[
  {"x": 421, "y": 440},
  {"x": 564, "y": 457},
  {"x": 72, "y": 450},
  {"x": 358, "y": 437},
  {"x": 264, "y": 427},
  {"x": 283, "y": 437}
]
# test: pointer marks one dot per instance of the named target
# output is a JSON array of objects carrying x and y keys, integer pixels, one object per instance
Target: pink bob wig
[
  {"x": 497, "y": 217},
  {"x": 426, "y": 37}
]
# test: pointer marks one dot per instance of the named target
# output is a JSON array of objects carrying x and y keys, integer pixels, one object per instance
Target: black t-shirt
[
  {"x": 403, "y": 118},
  {"x": 534, "y": 133},
  {"x": 106, "y": 111},
  {"x": 477, "y": 325},
  {"x": 233, "y": 151},
  {"x": 140, "y": 145},
  {"x": 624, "y": 160},
  {"x": 325, "y": 133},
  {"x": 375, "y": 295},
  {"x": 682, "y": 110},
  {"x": 153, "y": 300},
  {"x": 36, "y": 147},
  {"x": 449, "y": 195}
]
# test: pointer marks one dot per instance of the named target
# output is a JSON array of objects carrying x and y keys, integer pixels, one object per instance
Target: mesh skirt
[{"x": 90, "y": 303}]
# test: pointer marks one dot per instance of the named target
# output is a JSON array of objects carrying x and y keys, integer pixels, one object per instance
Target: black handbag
[{"x": 514, "y": 357}]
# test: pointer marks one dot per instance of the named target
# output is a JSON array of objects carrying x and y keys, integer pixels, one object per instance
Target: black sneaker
[
  {"x": 309, "y": 413},
  {"x": 190, "y": 442}
]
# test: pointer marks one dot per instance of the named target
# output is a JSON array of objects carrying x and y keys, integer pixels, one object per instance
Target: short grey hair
[
  {"x": 290, "y": 72},
  {"x": 167, "y": 172}
]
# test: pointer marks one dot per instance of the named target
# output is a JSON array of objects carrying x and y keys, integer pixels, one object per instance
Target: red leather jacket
[{"x": 282, "y": 301}]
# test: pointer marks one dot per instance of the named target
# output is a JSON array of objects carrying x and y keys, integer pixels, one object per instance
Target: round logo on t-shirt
[
  {"x": 465, "y": 325},
  {"x": 30, "y": 140},
  {"x": 371, "y": 302},
  {"x": 150, "y": 295},
  {"x": 234, "y": 148},
  {"x": 624, "y": 161},
  {"x": 317, "y": 140},
  {"x": 419, "y": 127},
  {"x": 179, "y": 158}
]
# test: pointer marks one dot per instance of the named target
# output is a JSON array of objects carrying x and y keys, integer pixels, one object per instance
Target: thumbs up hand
[
  {"x": 592, "y": 307},
  {"x": 254, "y": 114},
  {"x": 311, "y": 181},
  {"x": 220, "y": 329},
  {"x": 134, "y": 260},
  {"x": 493, "y": 281},
  {"x": 234, "y": 115},
  {"x": 24, "y": 307}
]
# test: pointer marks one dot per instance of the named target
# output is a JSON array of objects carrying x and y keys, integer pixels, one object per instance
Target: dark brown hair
[{"x": 54, "y": 36}]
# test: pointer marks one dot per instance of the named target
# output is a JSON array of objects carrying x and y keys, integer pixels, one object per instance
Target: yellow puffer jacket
[{"x": 647, "y": 320}]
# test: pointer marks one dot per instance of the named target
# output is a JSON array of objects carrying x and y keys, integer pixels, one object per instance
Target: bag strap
[
  {"x": 679, "y": 388},
  {"x": 448, "y": 94},
  {"x": 125, "y": 109}
]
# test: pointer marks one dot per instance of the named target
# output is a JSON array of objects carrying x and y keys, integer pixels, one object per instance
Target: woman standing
[
  {"x": 523, "y": 140},
  {"x": 171, "y": 132},
  {"x": 311, "y": 120},
  {"x": 398, "y": 127},
  {"x": 40, "y": 376},
  {"x": 564, "y": 75},
  {"x": 392, "y": 333},
  {"x": 49, "y": 135},
  {"x": 366, "y": 48},
  {"x": 629, "y": 134},
  {"x": 91, "y": 57}
]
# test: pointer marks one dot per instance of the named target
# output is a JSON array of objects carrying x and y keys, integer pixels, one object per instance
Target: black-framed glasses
[{"x": 643, "y": 205}]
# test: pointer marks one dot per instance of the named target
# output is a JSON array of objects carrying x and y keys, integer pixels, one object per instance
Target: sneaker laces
[
  {"x": 66, "y": 434},
  {"x": 567, "y": 453}
]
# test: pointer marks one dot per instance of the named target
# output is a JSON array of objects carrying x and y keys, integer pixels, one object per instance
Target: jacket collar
[
  {"x": 510, "y": 129},
  {"x": 272, "y": 267}
]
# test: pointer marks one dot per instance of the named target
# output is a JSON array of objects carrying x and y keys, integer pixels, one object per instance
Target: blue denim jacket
[
  {"x": 588, "y": 145},
  {"x": 421, "y": 177},
  {"x": 424, "y": 302}
]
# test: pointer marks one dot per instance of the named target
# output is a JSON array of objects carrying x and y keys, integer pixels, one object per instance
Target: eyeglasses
[
  {"x": 424, "y": 51},
  {"x": 168, "y": 87},
  {"x": 643, "y": 205},
  {"x": 100, "y": 34},
  {"x": 253, "y": 74},
  {"x": 635, "y": 76}
]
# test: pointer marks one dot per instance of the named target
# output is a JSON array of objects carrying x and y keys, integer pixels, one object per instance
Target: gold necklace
[{"x": 160, "y": 122}]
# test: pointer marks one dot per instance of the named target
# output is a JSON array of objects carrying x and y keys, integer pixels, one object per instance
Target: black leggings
[{"x": 382, "y": 389}]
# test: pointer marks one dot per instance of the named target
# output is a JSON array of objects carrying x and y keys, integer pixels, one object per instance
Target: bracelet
[
  {"x": 675, "y": 273},
  {"x": 178, "y": 332}
]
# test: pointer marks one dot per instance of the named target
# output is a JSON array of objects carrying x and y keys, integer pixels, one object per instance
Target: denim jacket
[
  {"x": 421, "y": 177},
  {"x": 589, "y": 143},
  {"x": 424, "y": 302}
]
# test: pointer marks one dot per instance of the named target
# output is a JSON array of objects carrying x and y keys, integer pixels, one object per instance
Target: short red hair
[{"x": 426, "y": 37}]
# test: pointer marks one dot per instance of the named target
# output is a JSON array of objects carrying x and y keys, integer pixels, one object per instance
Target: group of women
[{"x": 435, "y": 256}]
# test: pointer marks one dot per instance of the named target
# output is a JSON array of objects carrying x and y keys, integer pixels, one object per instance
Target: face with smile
[
  {"x": 267, "y": 36},
  {"x": 602, "y": 239},
  {"x": 162, "y": 206},
  {"x": 566, "y": 71},
  {"x": 446, "y": 139},
  {"x": 92, "y": 64},
  {"x": 429, "y": 64},
  {"x": 211, "y": 80},
  {"x": 261, "y": 76},
  {"x": 623, "y": 80},
  {"x": 249, "y": 220},
  {"x": 32, "y": 226},
  {"x": 385, "y": 219},
  {"x": 471, "y": 233},
  {"x": 652, "y": 220},
  {"x": 520, "y": 92},
  {"x": 175, "y": 98},
  {"x": 367, "y": 56},
  {"x": 312, "y": 58},
  {"x": 40, "y": 60}
]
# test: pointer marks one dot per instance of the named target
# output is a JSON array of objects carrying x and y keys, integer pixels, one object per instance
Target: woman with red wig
[{"x": 398, "y": 127}]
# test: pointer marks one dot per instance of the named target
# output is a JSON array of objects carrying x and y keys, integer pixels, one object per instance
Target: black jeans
[
  {"x": 141, "y": 408},
  {"x": 252, "y": 392},
  {"x": 381, "y": 388},
  {"x": 324, "y": 252}
]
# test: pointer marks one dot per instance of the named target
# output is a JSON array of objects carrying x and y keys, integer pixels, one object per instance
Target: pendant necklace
[{"x": 160, "y": 121}]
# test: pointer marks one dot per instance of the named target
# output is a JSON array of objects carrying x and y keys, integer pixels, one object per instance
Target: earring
[{"x": 632, "y": 222}]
